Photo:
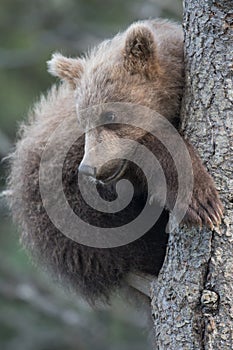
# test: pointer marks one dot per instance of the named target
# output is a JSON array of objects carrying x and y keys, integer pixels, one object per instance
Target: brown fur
[{"x": 143, "y": 65}]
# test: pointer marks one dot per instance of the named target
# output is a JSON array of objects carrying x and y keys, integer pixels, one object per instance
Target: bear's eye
[{"x": 107, "y": 117}]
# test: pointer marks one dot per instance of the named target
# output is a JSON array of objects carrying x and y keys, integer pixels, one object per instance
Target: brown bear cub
[{"x": 142, "y": 66}]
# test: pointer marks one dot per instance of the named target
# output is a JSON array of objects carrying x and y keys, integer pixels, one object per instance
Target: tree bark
[{"x": 192, "y": 299}]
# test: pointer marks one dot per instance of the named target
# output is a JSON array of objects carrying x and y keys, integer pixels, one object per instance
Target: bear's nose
[{"x": 87, "y": 170}]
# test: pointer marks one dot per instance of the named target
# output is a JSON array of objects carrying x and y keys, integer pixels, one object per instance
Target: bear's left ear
[
  {"x": 140, "y": 49},
  {"x": 68, "y": 69}
]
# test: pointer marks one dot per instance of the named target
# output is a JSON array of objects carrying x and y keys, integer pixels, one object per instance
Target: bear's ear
[
  {"x": 68, "y": 69},
  {"x": 140, "y": 49}
]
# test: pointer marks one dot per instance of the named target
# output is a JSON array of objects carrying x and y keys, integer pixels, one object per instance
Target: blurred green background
[{"x": 35, "y": 314}]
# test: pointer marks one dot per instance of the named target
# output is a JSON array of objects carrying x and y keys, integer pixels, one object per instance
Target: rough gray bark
[{"x": 192, "y": 300}]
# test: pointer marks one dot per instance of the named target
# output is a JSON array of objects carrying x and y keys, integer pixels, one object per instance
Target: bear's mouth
[{"x": 116, "y": 175}]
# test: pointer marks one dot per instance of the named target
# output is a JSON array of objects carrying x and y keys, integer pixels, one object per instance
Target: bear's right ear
[
  {"x": 68, "y": 69},
  {"x": 140, "y": 49}
]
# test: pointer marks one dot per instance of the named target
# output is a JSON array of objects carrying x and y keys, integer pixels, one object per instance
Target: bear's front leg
[{"x": 204, "y": 206}]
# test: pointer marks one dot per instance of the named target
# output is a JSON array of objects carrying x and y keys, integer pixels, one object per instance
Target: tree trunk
[{"x": 192, "y": 300}]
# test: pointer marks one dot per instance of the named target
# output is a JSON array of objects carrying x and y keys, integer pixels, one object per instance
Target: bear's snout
[{"x": 87, "y": 170}]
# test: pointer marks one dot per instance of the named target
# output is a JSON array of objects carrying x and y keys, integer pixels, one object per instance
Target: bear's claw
[{"x": 205, "y": 209}]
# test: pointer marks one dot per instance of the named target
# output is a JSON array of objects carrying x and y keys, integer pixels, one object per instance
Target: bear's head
[{"x": 142, "y": 66}]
